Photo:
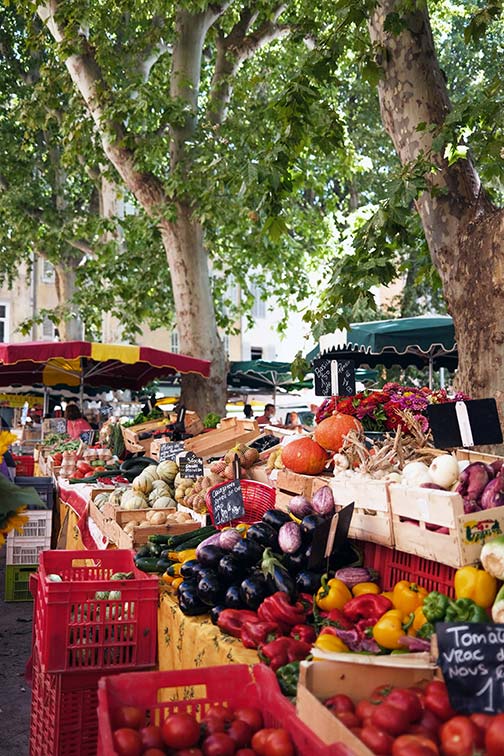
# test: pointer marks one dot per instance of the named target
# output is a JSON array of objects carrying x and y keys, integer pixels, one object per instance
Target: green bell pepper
[
  {"x": 426, "y": 631},
  {"x": 288, "y": 678},
  {"x": 465, "y": 610},
  {"x": 434, "y": 607}
]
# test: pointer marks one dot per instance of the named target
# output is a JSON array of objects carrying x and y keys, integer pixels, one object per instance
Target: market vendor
[{"x": 76, "y": 424}]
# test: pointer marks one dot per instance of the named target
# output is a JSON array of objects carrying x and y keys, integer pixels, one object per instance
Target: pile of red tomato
[
  {"x": 418, "y": 722},
  {"x": 222, "y": 732}
]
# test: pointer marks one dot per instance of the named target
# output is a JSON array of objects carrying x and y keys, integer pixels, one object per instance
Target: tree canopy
[{"x": 263, "y": 121}]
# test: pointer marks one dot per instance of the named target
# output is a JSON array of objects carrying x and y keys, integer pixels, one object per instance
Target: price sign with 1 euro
[{"x": 471, "y": 658}]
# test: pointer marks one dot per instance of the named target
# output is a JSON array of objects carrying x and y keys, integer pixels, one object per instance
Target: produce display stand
[
  {"x": 372, "y": 518},
  {"x": 185, "y": 642},
  {"x": 131, "y": 435},
  {"x": 467, "y": 532}
]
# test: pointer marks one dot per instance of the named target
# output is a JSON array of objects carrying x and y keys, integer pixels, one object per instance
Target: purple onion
[
  {"x": 357, "y": 642},
  {"x": 434, "y": 486},
  {"x": 493, "y": 495},
  {"x": 414, "y": 644},
  {"x": 472, "y": 482}
]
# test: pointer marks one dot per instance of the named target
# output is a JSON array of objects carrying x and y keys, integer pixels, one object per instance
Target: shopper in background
[
  {"x": 268, "y": 417},
  {"x": 76, "y": 424},
  {"x": 248, "y": 411}
]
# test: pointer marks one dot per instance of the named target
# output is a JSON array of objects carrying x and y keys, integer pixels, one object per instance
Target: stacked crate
[
  {"x": 81, "y": 633},
  {"x": 22, "y": 553}
]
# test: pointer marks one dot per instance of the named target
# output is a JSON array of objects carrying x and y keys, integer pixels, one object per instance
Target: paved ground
[{"x": 15, "y": 694}]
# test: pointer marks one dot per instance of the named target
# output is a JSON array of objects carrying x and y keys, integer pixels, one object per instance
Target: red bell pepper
[
  {"x": 304, "y": 633},
  {"x": 230, "y": 621},
  {"x": 337, "y": 618},
  {"x": 278, "y": 608},
  {"x": 255, "y": 634},
  {"x": 368, "y": 606},
  {"x": 283, "y": 651},
  {"x": 297, "y": 650},
  {"x": 275, "y": 653}
]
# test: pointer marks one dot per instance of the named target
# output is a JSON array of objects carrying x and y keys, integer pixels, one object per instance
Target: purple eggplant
[{"x": 289, "y": 537}]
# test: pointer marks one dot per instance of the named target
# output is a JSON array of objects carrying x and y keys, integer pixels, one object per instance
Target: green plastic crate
[{"x": 17, "y": 582}]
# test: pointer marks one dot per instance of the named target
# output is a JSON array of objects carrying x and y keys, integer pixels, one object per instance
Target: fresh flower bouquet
[{"x": 379, "y": 410}]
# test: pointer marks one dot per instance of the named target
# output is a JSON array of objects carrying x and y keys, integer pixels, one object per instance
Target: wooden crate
[
  {"x": 231, "y": 431},
  {"x": 123, "y": 516},
  {"x": 155, "y": 446},
  {"x": 110, "y": 528},
  {"x": 130, "y": 435},
  {"x": 115, "y": 533},
  {"x": 372, "y": 517},
  {"x": 467, "y": 532},
  {"x": 474, "y": 456},
  {"x": 140, "y": 535},
  {"x": 321, "y": 679},
  {"x": 289, "y": 484}
]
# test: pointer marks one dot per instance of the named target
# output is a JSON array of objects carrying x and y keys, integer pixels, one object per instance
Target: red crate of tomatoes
[{"x": 218, "y": 710}]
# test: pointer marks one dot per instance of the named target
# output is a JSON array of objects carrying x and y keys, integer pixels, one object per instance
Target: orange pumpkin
[
  {"x": 304, "y": 456},
  {"x": 330, "y": 432}
]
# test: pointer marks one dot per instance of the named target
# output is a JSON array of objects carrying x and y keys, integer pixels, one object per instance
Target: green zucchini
[
  {"x": 147, "y": 564},
  {"x": 159, "y": 538},
  {"x": 143, "y": 551},
  {"x": 140, "y": 462},
  {"x": 191, "y": 543},
  {"x": 163, "y": 564}
]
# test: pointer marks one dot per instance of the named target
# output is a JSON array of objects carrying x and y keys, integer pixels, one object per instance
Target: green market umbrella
[
  {"x": 260, "y": 374},
  {"x": 427, "y": 340}
]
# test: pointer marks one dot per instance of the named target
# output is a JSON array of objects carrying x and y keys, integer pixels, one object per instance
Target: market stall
[{"x": 237, "y": 538}]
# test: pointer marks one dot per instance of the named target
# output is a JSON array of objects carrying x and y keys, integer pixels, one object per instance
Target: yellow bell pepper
[
  {"x": 418, "y": 620},
  {"x": 407, "y": 596},
  {"x": 331, "y": 643},
  {"x": 389, "y": 629},
  {"x": 478, "y": 585},
  {"x": 360, "y": 588},
  {"x": 333, "y": 594}
]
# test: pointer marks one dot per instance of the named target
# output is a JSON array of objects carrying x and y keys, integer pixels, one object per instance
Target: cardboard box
[
  {"x": 356, "y": 678},
  {"x": 372, "y": 518},
  {"x": 467, "y": 532}
]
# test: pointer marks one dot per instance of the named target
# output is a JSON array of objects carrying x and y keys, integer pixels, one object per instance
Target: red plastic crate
[
  {"x": 258, "y": 498},
  {"x": 194, "y": 690},
  {"x": 394, "y": 565},
  {"x": 25, "y": 464},
  {"x": 64, "y": 716},
  {"x": 75, "y": 631}
]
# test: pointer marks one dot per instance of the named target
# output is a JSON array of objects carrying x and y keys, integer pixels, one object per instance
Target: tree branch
[
  {"x": 87, "y": 77},
  {"x": 234, "y": 50},
  {"x": 81, "y": 245}
]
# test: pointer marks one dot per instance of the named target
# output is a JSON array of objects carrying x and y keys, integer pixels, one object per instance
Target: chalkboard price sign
[
  {"x": 87, "y": 437},
  {"x": 330, "y": 536},
  {"x": 190, "y": 466},
  {"x": 471, "y": 658},
  {"x": 471, "y": 423},
  {"x": 170, "y": 450},
  {"x": 227, "y": 502},
  {"x": 334, "y": 377}
]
